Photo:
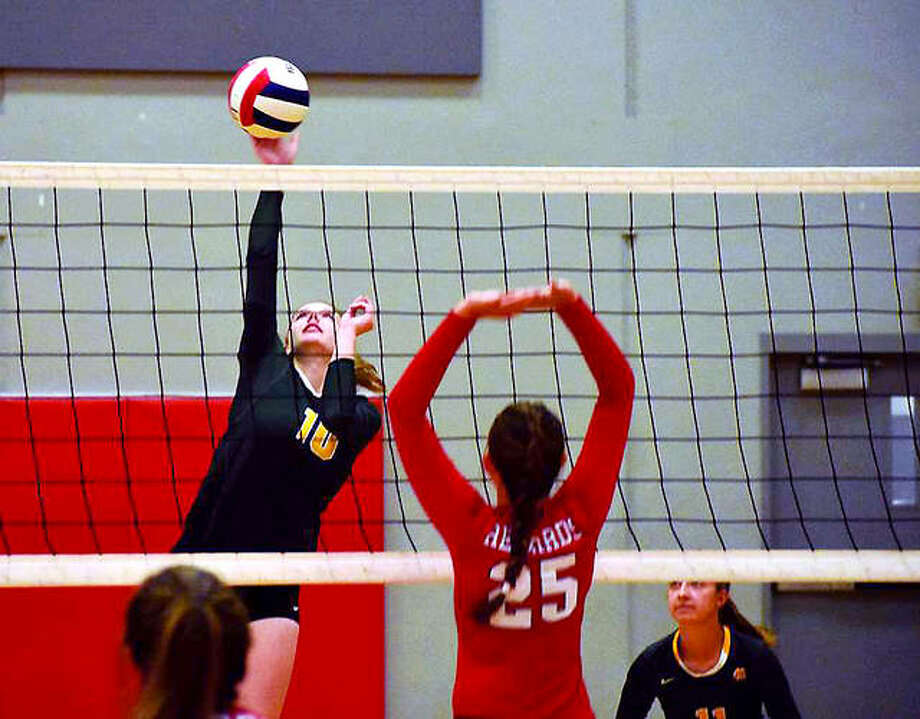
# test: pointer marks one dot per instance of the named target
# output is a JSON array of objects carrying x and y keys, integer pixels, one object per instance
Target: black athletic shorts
[{"x": 267, "y": 601}]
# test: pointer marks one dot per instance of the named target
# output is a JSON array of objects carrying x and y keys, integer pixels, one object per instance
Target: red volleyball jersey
[{"x": 527, "y": 661}]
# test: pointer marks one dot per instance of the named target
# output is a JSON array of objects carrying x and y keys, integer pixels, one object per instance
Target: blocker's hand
[
  {"x": 494, "y": 303},
  {"x": 553, "y": 295}
]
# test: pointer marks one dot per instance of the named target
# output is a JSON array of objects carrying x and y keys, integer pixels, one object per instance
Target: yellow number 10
[{"x": 323, "y": 443}]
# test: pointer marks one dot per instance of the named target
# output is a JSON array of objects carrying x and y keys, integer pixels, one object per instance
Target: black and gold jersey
[
  {"x": 747, "y": 679},
  {"x": 286, "y": 451}
]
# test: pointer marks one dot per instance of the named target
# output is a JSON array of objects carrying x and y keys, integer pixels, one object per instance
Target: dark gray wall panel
[{"x": 373, "y": 37}]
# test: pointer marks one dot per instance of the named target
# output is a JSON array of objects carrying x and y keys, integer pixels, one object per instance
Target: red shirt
[{"x": 527, "y": 661}]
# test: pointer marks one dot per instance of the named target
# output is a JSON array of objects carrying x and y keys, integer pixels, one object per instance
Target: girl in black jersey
[
  {"x": 296, "y": 425},
  {"x": 717, "y": 665}
]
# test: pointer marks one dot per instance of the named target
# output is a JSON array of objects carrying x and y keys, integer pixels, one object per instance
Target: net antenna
[{"x": 773, "y": 437}]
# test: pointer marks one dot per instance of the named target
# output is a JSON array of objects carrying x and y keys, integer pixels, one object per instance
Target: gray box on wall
[{"x": 366, "y": 37}]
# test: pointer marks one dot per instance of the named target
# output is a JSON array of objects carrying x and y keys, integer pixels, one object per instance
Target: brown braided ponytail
[{"x": 526, "y": 446}]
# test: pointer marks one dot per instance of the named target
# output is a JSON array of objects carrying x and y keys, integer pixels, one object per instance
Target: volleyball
[{"x": 268, "y": 97}]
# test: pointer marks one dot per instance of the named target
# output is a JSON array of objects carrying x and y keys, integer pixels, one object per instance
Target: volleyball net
[{"x": 770, "y": 317}]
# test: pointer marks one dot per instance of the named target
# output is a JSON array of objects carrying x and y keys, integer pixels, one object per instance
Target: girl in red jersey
[
  {"x": 188, "y": 634},
  {"x": 523, "y": 568}
]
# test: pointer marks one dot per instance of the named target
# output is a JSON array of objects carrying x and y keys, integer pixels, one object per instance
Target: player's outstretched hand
[
  {"x": 553, "y": 295},
  {"x": 276, "y": 150},
  {"x": 493, "y": 303},
  {"x": 359, "y": 316}
]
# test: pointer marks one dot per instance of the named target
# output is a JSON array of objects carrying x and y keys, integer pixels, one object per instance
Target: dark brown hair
[
  {"x": 730, "y": 616},
  {"x": 188, "y": 634},
  {"x": 526, "y": 445}
]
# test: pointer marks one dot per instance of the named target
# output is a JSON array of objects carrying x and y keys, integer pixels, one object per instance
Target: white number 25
[{"x": 550, "y": 583}]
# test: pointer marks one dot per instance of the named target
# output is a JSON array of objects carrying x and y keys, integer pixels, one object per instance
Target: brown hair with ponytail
[
  {"x": 366, "y": 375},
  {"x": 526, "y": 446},
  {"x": 731, "y": 617},
  {"x": 188, "y": 634}
]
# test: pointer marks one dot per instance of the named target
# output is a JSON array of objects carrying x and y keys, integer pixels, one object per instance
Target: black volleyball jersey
[
  {"x": 286, "y": 452},
  {"x": 747, "y": 679}
]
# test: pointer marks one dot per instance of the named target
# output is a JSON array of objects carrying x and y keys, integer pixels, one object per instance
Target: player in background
[
  {"x": 523, "y": 568},
  {"x": 187, "y": 633},
  {"x": 296, "y": 425},
  {"x": 716, "y": 665}
]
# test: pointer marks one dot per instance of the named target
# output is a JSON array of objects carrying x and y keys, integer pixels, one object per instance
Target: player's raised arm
[
  {"x": 438, "y": 485},
  {"x": 259, "y": 305},
  {"x": 594, "y": 476}
]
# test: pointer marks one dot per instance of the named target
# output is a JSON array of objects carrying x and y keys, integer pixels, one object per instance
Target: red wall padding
[{"x": 86, "y": 475}]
